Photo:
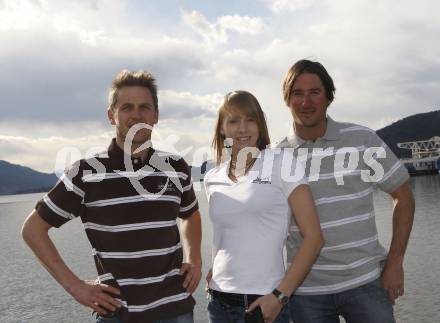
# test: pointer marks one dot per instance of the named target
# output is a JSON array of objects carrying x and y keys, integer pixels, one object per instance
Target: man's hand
[
  {"x": 393, "y": 279},
  {"x": 95, "y": 295},
  {"x": 192, "y": 274},
  {"x": 270, "y": 307}
]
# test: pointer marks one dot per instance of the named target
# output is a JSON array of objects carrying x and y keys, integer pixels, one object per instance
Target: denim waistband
[{"x": 233, "y": 299}]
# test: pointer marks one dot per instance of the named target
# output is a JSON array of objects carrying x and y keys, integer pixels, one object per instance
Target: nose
[
  {"x": 307, "y": 100},
  {"x": 136, "y": 114},
  {"x": 243, "y": 126}
]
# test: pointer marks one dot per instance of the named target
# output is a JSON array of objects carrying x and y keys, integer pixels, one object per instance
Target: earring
[{"x": 227, "y": 142}]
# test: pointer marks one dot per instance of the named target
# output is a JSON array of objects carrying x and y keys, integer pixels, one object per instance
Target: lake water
[{"x": 28, "y": 294}]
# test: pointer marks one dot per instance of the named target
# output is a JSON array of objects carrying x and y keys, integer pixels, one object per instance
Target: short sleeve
[
  {"x": 394, "y": 172},
  {"x": 288, "y": 173},
  {"x": 188, "y": 204},
  {"x": 65, "y": 201}
]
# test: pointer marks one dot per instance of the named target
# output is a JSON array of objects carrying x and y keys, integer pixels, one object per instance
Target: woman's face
[{"x": 241, "y": 128}]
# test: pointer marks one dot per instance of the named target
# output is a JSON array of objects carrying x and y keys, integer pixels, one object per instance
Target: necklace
[{"x": 235, "y": 172}]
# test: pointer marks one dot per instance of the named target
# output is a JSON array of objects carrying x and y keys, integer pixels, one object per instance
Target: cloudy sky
[{"x": 58, "y": 57}]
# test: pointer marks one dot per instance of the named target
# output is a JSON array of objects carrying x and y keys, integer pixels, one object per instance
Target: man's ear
[
  {"x": 156, "y": 120},
  {"x": 111, "y": 116}
]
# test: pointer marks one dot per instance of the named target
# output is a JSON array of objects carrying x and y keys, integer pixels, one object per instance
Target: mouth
[
  {"x": 243, "y": 139},
  {"x": 307, "y": 114},
  {"x": 142, "y": 125}
]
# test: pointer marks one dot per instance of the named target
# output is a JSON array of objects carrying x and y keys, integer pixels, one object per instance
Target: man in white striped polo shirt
[
  {"x": 354, "y": 276},
  {"x": 128, "y": 199}
]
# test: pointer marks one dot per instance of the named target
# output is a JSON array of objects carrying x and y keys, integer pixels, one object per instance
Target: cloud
[
  {"x": 189, "y": 141},
  {"x": 58, "y": 59},
  {"x": 185, "y": 105},
  {"x": 58, "y": 65},
  {"x": 49, "y": 154},
  {"x": 378, "y": 61},
  {"x": 218, "y": 31},
  {"x": 279, "y": 6},
  {"x": 243, "y": 25},
  {"x": 54, "y": 147}
]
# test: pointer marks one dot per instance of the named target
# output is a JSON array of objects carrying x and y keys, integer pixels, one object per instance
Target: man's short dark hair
[
  {"x": 130, "y": 78},
  {"x": 307, "y": 66}
]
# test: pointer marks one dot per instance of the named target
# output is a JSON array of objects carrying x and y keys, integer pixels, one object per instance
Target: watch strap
[{"x": 281, "y": 297}]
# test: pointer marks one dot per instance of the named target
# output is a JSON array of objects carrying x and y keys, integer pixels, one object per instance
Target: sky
[{"x": 58, "y": 58}]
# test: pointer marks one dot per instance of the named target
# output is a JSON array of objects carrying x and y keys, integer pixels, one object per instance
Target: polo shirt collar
[
  {"x": 332, "y": 130},
  {"x": 116, "y": 153},
  {"x": 292, "y": 140},
  {"x": 331, "y": 133}
]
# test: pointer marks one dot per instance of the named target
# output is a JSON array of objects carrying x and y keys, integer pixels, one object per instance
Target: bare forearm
[
  {"x": 402, "y": 225},
  {"x": 403, "y": 217},
  {"x": 298, "y": 270},
  {"x": 92, "y": 294},
  {"x": 35, "y": 234},
  {"x": 303, "y": 206},
  {"x": 191, "y": 231},
  {"x": 300, "y": 266}
]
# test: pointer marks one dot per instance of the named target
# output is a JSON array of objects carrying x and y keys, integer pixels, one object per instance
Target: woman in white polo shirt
[{"x": 252, "y": 196}]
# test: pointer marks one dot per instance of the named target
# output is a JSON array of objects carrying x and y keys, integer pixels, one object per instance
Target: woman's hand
[
  {"x": 208, "y": 279},
  {"x": 270, "y": 307}
]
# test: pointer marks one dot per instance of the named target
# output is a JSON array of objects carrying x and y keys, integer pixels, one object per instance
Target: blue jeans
[
  {"x": 368, "y": 303},
  {"x": 219, "y": 312},
  {"x": 184, "y": 318}
]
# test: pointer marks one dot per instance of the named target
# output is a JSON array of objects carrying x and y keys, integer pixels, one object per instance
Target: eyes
[
  {"x": 130, "y": 107},
  {"x": 300, "y": 93},
  {"x": 236, "y": 120}
]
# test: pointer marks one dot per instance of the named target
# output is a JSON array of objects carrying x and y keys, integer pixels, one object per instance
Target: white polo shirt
[{"x": 250, "y": 220}]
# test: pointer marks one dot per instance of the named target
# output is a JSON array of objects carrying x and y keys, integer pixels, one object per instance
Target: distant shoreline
[{"x": 30, "y": 191}]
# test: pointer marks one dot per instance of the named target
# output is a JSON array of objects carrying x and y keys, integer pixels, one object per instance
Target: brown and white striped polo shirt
[{"x": 130, "y": 217}]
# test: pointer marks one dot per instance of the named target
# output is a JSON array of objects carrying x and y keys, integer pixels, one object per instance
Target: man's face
[
  {"x": 134, "y": 105},
  {"x": 308, "y": 102}
]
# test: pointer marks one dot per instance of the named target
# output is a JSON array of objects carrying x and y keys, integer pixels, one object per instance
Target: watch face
[{"x": 284, "y": 300}]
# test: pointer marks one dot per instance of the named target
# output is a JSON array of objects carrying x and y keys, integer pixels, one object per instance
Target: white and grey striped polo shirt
[{"x": 343, "y": 168}]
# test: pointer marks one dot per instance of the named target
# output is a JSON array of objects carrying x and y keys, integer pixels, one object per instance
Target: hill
[
  {"x": 16, "y": 179},
  {"x": 417, "y": 127}
]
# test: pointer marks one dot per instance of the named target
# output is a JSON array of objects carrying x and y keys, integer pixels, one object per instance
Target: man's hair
[
  {"x": 247, "y": 104},
  {"x": 130, "y": 78},
  {"x": 306, "y": 66}
]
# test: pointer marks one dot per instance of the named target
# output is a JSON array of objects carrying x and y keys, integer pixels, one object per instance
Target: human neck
[
  {"x": 142, "y": 154},
  {"x": 310, "y": 133},
  {"x": 237, "y": 168},
  {"x": 237, "y": 162}
]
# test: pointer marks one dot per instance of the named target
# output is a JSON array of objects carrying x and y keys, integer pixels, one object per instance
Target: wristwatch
[{"x": 281, "y": 297}]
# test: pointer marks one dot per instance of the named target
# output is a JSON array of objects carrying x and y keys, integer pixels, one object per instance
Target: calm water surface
[{"x": 28, "y": 294}]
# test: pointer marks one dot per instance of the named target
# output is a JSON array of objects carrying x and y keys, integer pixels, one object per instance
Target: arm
[
  {"x": 191, "y": 232},
  {"x": 35, "y": 232},
  {"x": 303, "y": 206},
  {"x": 403, "y": 216}
]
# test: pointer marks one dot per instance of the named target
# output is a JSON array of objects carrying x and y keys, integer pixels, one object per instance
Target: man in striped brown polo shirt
[{"x": 128, "y": 199}]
